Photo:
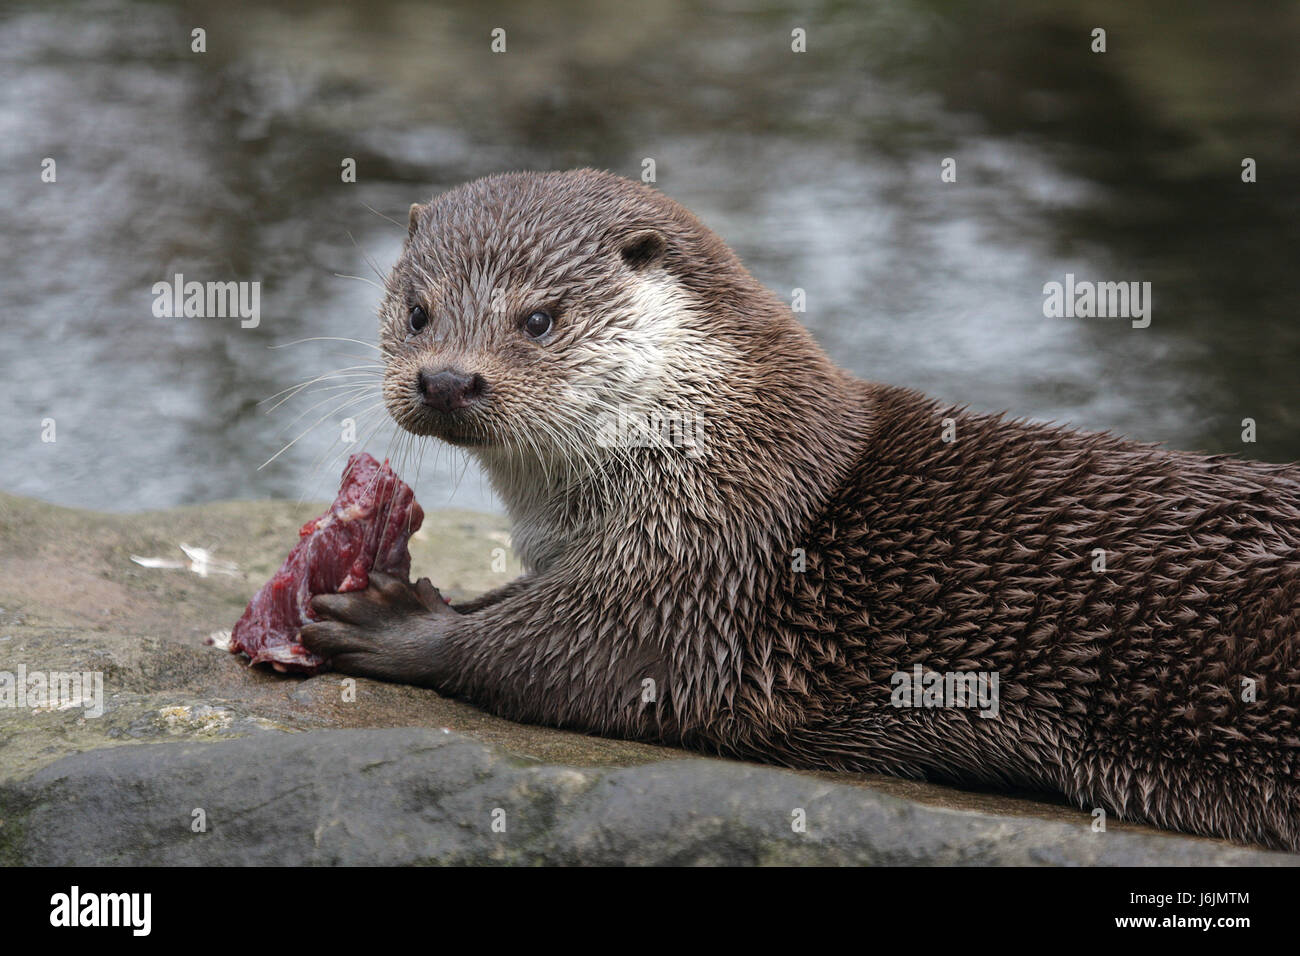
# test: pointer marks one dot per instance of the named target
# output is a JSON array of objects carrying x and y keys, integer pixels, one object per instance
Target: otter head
[{"x": 528, "y": 309}]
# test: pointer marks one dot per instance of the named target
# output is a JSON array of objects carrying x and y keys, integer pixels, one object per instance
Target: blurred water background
[{"x": 821, "y": 169}]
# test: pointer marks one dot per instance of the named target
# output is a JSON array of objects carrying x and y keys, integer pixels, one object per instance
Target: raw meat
[{"x": 366, "y": 529}]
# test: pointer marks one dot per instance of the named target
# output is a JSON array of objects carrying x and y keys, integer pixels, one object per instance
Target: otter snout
[{"x": 449, "y": 389}]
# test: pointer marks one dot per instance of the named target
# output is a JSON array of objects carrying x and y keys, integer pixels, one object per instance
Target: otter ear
[
  {"x": 643, "y": 249},
  {"x": 413, "y": 221}
]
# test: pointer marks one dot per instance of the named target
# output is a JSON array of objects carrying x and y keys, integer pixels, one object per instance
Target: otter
[{"x": 765, "y": 589}]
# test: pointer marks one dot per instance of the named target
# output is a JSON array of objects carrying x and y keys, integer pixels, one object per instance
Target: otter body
[
  {"x": 763, "y": 589},
  {"x": 1141, "y": 609}
]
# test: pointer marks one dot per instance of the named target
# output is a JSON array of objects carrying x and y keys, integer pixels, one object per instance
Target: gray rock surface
[{"x": 199, "y": 760}]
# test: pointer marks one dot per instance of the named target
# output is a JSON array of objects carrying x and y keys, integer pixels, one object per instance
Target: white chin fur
[{"x": 649, "y": 354}]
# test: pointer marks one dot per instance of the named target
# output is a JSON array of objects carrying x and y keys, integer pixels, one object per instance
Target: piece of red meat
[{"x": 366, "y": 529}]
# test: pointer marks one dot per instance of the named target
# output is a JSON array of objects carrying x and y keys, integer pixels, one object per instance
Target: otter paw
[{"x": 390, "y": 631}]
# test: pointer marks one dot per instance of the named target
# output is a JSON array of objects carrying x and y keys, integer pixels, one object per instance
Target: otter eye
[
  {"x": 418, "y": 319},
  {"x": 538, "y": 324}
]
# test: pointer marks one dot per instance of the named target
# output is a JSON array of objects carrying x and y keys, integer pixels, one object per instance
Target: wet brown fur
[{"x": 1122, "y": 688}]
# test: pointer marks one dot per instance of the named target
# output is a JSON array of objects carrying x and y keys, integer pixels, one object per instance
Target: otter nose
[{"x": 449, "y": 389}]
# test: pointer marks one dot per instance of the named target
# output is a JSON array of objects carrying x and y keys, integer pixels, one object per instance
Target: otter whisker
[
  {"x": 330, "y": 458},
  {"x": 399, "y": 225},
  {"x": 370, "y": 262},
  {"x": 350, "y": 382},
  {"x": 327, "y": 338},
  {"x": 352, "y": 395},
  {"x": 419, "y": 461},
  {"x": 295, "y": 441},
  {"x": 463, "y": 468},
  {"x": 370, "y": 282},
  {"x": 351, "y": 371}
]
